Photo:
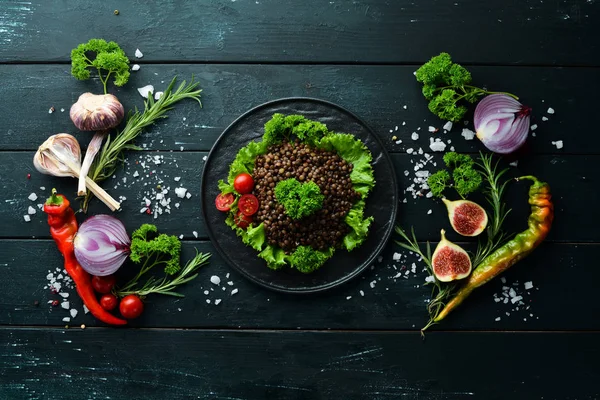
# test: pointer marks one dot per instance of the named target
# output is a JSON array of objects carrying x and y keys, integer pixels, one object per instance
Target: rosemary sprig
[
  {"x": 167, "y": 284},
  {"x": 111, "y": 153},
  {"x": 493, "y": 194},
  {"x": 440, "y": 291}
]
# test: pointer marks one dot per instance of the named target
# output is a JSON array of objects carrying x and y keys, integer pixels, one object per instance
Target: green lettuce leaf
[
  {"x": 274, "y": 256},
  {"x": 254, "y": 236},
  {"x": 244, "y": 160},
  {"x": 359, "y": 224}
]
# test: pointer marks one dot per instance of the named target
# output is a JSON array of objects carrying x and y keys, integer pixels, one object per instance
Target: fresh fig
[
  {"x": 467, "y": 218},
  {"x": 450, "y": 261}
]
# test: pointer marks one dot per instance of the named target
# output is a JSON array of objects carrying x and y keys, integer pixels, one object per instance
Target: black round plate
[{"x": 382, "y": 202}]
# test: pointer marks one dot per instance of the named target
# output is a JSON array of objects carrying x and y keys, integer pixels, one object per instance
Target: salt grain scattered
[
  {"x": 31, "y": 210},
  {"x": 85, "y": 309},
  {"x": 468, "y": 134},
  {"x": 348, "y": 297},
  {"x": 135, "y": 67},
  {"x": 32, "y": 197},
  {"x": 432, "y": 129},
  {"x": 180, "y": 192},
  {"x": 217, "y": 302},
  {"x": 528, "y": 285},
  {"x": 414, "y": 136},
  {"x": 215, "y": 280},
  {"x": 65, "y": 305},
  {"x": 66, "y": 319},
  {"x": 436, "y": 145},
  {"x": 138, "y": 53},
  {"x": 195, "y": 234},
  {"x": 208, "y": 301},
  {"x": 362, "y": 293},
  {"x": 497, "y": 319},
  {"x": 145, "y": 91},
  {"x": 447, "y": 126},
  {"x": 158, "y": 95},
  {"x": 558, "y": 144},
  {"x": 27, "y": 218},
  {"x": 550, "y": 110},
  {"x": 234, "y": 291},
  {"x": 514, "y": 163},
  {"x": 429, "y": 212},
  {"x": 73, "y": 312},
  {"x": 396, "y": 256},
  {"x": 533, "y": 127},
  {"x": 544, "y": 118}
]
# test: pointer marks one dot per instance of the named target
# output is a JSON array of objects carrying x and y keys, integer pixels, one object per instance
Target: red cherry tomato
[
  {"x": 131, "y": 306},
  {"x": 243, "y": 183},
  {"x": 248, "y": 204},
  {"x": 241, "y": 220},
  {"x": 103, "y": 284},
  {"x": 224, "y": 201},
  {"x": 109, "y": 302}
]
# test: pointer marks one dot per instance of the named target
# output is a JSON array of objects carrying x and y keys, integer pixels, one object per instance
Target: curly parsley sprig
[
  {"x": 446, "y": 86},
  {"x": 105, "y": 57}
]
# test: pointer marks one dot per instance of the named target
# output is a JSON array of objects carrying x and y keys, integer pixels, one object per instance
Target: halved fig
[
  {"x": 450, "y": 261},
  {"x": 467, "y": 218}
]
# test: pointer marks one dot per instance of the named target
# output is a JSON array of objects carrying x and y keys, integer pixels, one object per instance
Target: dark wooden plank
[
  {"x": 101, "y": 363},
  {"x": 387, "y": 302},
  {"x": 375, "y": 93},
  {"x": 287, "y": 31},
  {"x": 569, "y": 176}
]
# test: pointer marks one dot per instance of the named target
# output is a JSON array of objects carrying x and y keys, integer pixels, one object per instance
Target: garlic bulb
[
  {"x": 60, "y": 155},
  {"x": 96, "y": 112}
]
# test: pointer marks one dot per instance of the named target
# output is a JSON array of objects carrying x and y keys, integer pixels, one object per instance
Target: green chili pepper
[{"x": 539, "y": 222}]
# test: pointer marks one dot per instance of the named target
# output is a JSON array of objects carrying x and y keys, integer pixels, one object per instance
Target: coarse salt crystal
[
  {"x": 64, "y": 294},
  {"x": 396, "y": 256},
  {"x": 447, "y": 126},
  {"x": 234, "y": 291},
  {"x": 558, "y": 144},
  {"x": 497, "y": 319},
  {"x": 73, "y": 312},
  {"x": 31, "y": 210},
  {"x": 372, "y": 284},
  {"x": 217, "y": 302},
  {"x": 215, "y": 280},
  {"x": 432, "y": 129},
  {"x": 429, "y": 212},
  {"x": 398, "y": 141},
  {"x": 188, "y": 195},
  {"x": 66, "y": 319},
  {"x": 533, "y": 127},
  {"x": 436, "y": 145},
  {"x": 528, "y": 285},
  {"x": 544, "y": 118},
  {"x": 503, "y": 279},
  {"x": 138, "y": 53},
  {"x": 158, "y": 95},
  {"x": 405, "y": 107},
  {"x": 512, "y": 292},
  {"x": 145, "y": 91},
  {"x": 468, "y": 134},
  {"x": 143, "y": 210},
  {"x": 430, "y": 278},
  {"x": 180, "y": 236},
  {"x": 550, "y": 110},
  {"x": 208, "y": 301},
  {"x": 85, "y": 309},
  {"x": 177, "y": 178},
  {"x": 414, "y": 136},
  {"x": 348, "y": 297},
  {"x": 180, "y": 192},
  {"x": 135, "y": 67},
  {"x": 27, "y": 218},
  {"x": 410, "y": 151},
  {"x": 195, "y": 234},
  {"x": 514, "y": 163},
  {"x": 361, "y": 293},
  {"x": 65, "y": 305},
  {"x": 206, "y": 292},
  {"x": 33, "y": 197},
  {"x": 516, "y": 299}
]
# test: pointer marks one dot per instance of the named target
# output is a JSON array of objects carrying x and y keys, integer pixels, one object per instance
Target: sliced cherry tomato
[
  {"x": 109, "y": 302},
  {"x": 103, "y": 284},
  {"x": 241, "y": 220},
  {"x": 243, "y": 183},
  {"x": 224, "y": 201},
  {"x": 248, "y": 204},
  {"x": 131, "y": 306}
]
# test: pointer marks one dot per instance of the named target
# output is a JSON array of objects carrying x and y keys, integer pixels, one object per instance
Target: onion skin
[
  {"x": 96, "y": 112},
  {"x": 502, "y": 123},
  {"x": 102, "y": 245}
]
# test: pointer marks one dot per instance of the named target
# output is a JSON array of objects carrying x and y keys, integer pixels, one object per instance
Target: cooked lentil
[{"x": 321, "y": 230}]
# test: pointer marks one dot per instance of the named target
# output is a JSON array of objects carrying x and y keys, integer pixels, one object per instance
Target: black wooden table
[{"x": 362, "y": 339}]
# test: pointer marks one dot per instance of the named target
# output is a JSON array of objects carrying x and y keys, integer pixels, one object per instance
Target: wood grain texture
[
  {"x": 376, "y": 94},
  {"x": 387, "y": 302},
  {"x": 100, "y": 364},
  {"x": 374, "y": 31},
  {"x": 569, "y": 177}
]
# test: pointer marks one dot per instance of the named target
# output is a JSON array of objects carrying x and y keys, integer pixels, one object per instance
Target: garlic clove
[{"x": 94, "y": 112}]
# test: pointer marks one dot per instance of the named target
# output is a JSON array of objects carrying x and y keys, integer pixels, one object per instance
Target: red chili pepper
[{"x": 63, "y": 227}]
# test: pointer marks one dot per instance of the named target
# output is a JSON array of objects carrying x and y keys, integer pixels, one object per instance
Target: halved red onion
[
  {"x": 101, "y": 245},
  {"x": 501, "y": 123}
]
